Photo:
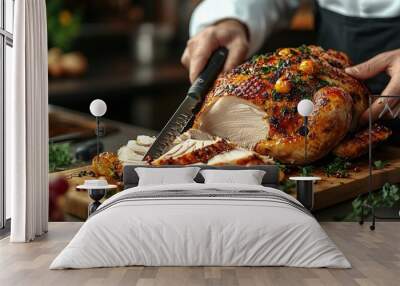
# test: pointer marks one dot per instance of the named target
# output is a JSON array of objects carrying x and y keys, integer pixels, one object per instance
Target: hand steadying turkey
[{"x": 251, "y": 112}]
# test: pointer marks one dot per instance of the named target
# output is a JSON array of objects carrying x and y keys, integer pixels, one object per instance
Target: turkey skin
[
  {"x": 250, "y": 114},
  {"x": 255, "y": 104}
]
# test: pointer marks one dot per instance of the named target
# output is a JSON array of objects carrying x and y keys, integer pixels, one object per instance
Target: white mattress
[{"x": 189, "y": 231}]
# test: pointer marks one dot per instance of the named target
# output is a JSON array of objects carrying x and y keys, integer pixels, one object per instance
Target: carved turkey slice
[
  {"x": 196, "y": 147},
  {"x": 240, "y": 157}
]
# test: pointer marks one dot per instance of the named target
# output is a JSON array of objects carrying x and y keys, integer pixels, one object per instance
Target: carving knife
[{"x": 185, "y": 112}]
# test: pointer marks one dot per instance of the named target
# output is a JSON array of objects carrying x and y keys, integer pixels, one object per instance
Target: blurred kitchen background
[{"x": 127, "y": 52}]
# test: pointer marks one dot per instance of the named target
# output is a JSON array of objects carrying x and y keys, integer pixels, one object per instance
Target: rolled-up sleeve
[{"x": 260, "y": 16}]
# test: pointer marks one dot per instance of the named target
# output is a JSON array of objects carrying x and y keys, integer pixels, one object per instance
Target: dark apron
[{"x": 360, "y": 38}]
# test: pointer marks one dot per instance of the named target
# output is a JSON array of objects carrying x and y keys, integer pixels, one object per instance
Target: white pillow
[
  {"x": 166, "y": 176},
  {"x": 248, "y": 177}
]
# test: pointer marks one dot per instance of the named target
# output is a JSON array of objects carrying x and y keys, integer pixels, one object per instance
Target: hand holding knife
[{"x": 185, "y": 112}]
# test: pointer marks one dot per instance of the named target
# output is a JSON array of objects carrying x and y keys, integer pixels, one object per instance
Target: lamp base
[
  {"x": 305, "y": 193},
  {"x": 305, "y": 190},
  {"x": 96, "y": 195}
]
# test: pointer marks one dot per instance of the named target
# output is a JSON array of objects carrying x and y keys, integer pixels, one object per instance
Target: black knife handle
[{"x": 207, "y": 77}]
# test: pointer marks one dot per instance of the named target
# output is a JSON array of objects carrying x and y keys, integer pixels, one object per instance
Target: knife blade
[{"x": 185, "y": 112}]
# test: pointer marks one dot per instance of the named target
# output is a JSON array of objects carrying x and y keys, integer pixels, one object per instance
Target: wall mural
[
  {"x": 251, "y": 116},
  {"x": 248, "y": 116}
]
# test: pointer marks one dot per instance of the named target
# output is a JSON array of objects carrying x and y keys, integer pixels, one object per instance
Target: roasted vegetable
[{"x": 107, "y": 164}]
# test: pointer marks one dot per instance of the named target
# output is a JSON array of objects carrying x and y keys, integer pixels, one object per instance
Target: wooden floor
[{"x": 375, "y": 257}]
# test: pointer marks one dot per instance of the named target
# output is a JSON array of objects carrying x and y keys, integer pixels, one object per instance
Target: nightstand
[
  {"x": 305, "y": 190},
  {"x": 97, "y": 189}
]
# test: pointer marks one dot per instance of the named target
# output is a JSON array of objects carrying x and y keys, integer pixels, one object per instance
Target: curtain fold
[{"x": 27, "y": 123}]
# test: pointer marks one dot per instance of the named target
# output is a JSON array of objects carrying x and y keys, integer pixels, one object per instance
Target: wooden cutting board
[
  {"x": 332, "y": 190},
  {"x": 76, "y": 202},
  {"x": 328, "y": 192}
]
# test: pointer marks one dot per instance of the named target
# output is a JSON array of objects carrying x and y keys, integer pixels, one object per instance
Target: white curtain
[{"x": 27, "y": 123}]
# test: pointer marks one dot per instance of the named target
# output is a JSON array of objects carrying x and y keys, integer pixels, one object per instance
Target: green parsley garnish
[
  {"x": 268, "y": 69},
  {"x": 276, "y": 95},
  {"x": 304, "y": 49},
  {"x": 379, "y": 164},
  {"x": 306, "y": 171},
  {"x": 338, "y": 167}
]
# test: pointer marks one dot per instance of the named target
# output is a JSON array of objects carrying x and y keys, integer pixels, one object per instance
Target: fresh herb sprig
[
  {"x": 322, "y": 83},
  {"x": 59, "y": 156},
  {"x": 388, "y": 196},
  {"x": 338, "y": 168},
  {"x": 304, "y": 49},
  {"x": 268, "y": 69},
  {"x": 282, "y": 167},
  {"x": 288, "y": 185},
  {"x": 379, "y": 164},
  {"x": 296, "y": 79},
  {"x": 306, "y": 171}
]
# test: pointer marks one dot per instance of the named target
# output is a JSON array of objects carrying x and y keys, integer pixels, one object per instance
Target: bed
[{"x": 197, "y": 224}]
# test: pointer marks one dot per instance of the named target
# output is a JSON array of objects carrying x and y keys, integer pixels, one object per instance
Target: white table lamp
[
  {"x": 304, "y": 185},
  {"x": 305, "y": 108},
  {"x": 98, "y": 108}
]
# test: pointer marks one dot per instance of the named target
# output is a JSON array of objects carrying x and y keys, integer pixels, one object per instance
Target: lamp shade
[
  {"x": 98, "y": 107},
  {"x": 305, "y": 107}
]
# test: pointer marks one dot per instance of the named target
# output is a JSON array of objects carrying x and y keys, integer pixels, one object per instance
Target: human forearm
[{"x": 259, "y": 16}]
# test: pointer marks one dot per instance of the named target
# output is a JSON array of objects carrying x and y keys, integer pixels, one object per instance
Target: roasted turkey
[{"x": 254, "y": 107}]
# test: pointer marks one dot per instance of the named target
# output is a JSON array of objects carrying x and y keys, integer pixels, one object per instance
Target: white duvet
[{"x": 190, "y": 231}]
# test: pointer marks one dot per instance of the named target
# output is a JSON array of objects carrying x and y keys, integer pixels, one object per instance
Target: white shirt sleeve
[{"x": 260, "y": 16}]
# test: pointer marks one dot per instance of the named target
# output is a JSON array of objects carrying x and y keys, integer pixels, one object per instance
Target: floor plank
[{"x": 375, "y": 257}]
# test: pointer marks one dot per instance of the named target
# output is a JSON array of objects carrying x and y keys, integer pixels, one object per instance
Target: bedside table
[
  {"x": 305, "y": 190},
  {"x": 96, "y": 189}
]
